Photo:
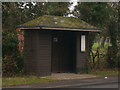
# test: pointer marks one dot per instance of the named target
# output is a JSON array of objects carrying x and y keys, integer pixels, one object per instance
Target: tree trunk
[{"x": 103, "y": 41}]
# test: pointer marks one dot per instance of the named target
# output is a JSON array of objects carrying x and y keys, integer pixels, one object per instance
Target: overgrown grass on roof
[{"x": 48, "y": 20}]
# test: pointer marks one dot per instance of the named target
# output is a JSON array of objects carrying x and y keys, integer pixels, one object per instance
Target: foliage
[
  {"x": 113, "y": 34},
  {"x": 111, "y": 57},
  {"x": 9, "y": 81},
  {"x": 94, "y": 13},
  {"x": 12, "y": 58},
  {"x": 56, "y": 8},
  {"x": 97, "y": 58},
  {"x": 17, "y": 13},
  {"x": 118, "y": 61},
  {"x": 9, "y": 43},
  {"x": 105, "y": 16},
  {"x": 11, "y": 16}
]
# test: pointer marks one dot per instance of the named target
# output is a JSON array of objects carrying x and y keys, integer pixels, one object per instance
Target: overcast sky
[{"x": 72, "y": 7}]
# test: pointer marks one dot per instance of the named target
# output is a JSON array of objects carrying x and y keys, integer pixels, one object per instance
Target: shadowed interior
[{"x": 63, "y": 51}]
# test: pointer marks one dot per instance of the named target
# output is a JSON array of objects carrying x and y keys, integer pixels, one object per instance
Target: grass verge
[
  {"x": 10, "y": 81},
  {"x": 105, "y": 72}
]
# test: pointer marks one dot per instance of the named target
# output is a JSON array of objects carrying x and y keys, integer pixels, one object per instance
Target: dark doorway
[{"x": 63, "y": 51}]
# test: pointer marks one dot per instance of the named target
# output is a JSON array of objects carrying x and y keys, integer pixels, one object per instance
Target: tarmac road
[
  {"x": 100, "y": 85},
  {"x": 109, "y": 85}
]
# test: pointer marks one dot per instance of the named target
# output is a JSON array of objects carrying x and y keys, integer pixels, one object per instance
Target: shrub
[
  {"x": 118, "y": 58},
  {"x": 112, "y": 57},
  {"x": 12, "y": 58},
  {"x": 98, "y": 57}
]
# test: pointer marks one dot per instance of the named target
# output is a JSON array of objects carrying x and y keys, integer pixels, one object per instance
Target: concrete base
[{"x": 68, "y": 76}]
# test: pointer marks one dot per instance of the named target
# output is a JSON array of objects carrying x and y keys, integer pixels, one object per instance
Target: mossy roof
[{"x": 58, "y": 21}]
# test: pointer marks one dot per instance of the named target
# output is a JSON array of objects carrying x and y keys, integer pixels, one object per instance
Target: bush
[
  {"x": 106, "y": 57},
  {"x": 118, "y": 58},
  {"x": 98, "y": 57},
  {"x": 12, "y": 58},
  {"x": 112, "y": 57},
  {"x": 12, "y": 66}
]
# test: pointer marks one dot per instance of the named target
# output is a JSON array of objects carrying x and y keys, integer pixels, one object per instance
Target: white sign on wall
[{"x": 83, "y": 43}]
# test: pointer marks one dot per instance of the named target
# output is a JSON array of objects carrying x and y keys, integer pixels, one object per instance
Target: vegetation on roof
[{"x": 48, "y": 20}]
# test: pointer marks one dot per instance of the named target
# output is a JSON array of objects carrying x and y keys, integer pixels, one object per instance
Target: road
[
  {"x": 110, "y": 85},
  {"x": 100, "y": 85}
]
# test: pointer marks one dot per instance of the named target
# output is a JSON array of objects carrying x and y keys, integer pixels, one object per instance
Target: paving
[{"x": 70, "y": 76}]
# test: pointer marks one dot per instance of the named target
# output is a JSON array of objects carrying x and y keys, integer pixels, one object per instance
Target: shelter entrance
[{"x": 63, "y": 51}]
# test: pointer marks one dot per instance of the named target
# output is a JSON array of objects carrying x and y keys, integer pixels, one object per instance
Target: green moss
[{"x": 48, "y": 20}]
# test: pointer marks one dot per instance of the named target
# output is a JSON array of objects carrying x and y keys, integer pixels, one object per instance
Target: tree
[
  {"x": 97, "y": 14},
  {"x": 10, "y": 11},
  {"x": 56, "y": 8},
  {"x": 16, "y": 13},
  {"x": 104, "y": 16},
  {"x": 114, "y": 35}
]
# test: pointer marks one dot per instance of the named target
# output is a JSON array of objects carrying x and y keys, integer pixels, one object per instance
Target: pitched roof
[{"x": 58, "y": 22}]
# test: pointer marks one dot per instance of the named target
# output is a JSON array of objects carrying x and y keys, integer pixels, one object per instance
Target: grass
[
  {"x": 105, "y": 72},
  {"x": 9, "y": 81}
]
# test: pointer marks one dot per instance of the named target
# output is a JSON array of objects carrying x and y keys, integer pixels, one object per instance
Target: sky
[{"x": 72, "y": 7}]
